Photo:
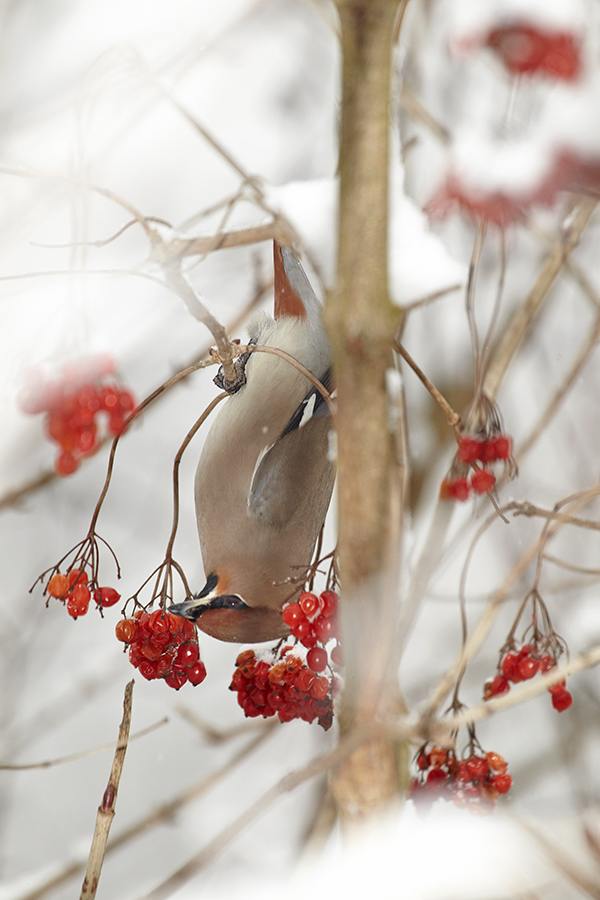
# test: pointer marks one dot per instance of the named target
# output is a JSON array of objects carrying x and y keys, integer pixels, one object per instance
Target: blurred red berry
[
  {"x": 562, "y": 700},
  {"x": 65, "y": 464},
  {"x": 482, "y": 481},
  {"x": 329, "y": 603},
  {"x": 527, "y": 49},
  {"x": 499, "y": 685},
  {"x": 503, "y": 782},
  {"x": 469, "y": 448},
  {"x": 528, "y": 667}
]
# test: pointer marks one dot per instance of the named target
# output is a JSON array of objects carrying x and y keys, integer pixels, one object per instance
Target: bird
[{"x": 266, "y": 471}]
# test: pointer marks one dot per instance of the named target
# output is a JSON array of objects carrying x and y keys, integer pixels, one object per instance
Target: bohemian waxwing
[{"x": 265, "y": 475}]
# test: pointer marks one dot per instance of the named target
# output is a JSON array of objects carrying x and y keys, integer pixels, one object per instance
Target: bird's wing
[
  {"x": 295, "y": 474},
  {"x": 314, "y": 404}
]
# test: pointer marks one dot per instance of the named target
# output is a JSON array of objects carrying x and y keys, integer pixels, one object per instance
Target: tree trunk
[{"x": 361, "y": 323}]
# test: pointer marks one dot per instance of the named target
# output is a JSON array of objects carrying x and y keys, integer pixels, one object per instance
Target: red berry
[
  {"x": 77, "y": 606},
  {"x": 329, "y": 603},
  {"x": 126, "y": 401},
  {"x": 499, "y": 685},
  {"x": 503, "y": 782},
  {"x": 482, "y": 481},
  {"x": 304, "y": 630},
  {"x": 175, "y": 680},
  {"x": 459, "y": 489},
  {"x": 293, "y": 615},
  {"x": 164, "y": 665},
  {"x": 324, "y": 629},
  {"x": 147, "y": 669},
  {"x": 58, "y": 585},
  {"x": 78, "y": 576},
  {"x": 304, "y": 680},
  {"x": 309, "y": 640},
  {"x": 337, "y": 655},
  {"x": 503, "y": 446},
  {"x": 462, "y": 772},
  {"x": 527, "y": 667},
  {"x": 116, "y": 423},
  {"x": 562, "y": 700},
  {"x": 436, "y": 777},
  {"x": 309, "y": 604},
  {"x": 65, "y": 464},
  {"x": 469, "y": 448},
  {"x": 559, "y": 686},
  {"x": 106, "y": 596},
  {"x": 187, "y": 655},
  {"x": 81, "y": 594},
  {"x": 109, "y": 399},
  {"x": 86, "y": 440},
  {"x": 158, "y": 622},
  {"x": 317, "y": 659},
  {"x": 150, "y": 650},
  {"x": 196, "y": 673},
  {"x": 125, "y": 630},
  {"x": 320, "y": 688},
  {"x": 438, "y": 757},
  {"x": 497, "y": 762},
  {"x": 246, "y": 656},
  {"x": 526, "y": 49},
  {"x": 510, "y": 667},
  {"x": 477, "y": 767}
]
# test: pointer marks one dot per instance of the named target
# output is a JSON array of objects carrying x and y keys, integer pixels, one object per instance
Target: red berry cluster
[
  {"x": 284, "y": 685},
  {"x": 474, "y": 782},
  {"x": 162, "y": 645},
  {"x": 73, "y": 406},
  {"x": 314, "y": 620},
  {"x": 73, "y": 589},
  {"x": 528, "y": 49},
  {"x": 523, "y": 665},
  {"x": 479, "y": 452}
]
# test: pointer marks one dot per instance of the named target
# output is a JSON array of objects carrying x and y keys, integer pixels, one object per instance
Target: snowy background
[{"x": 106, "y": 94}]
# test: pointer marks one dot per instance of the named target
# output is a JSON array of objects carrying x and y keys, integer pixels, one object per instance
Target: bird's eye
[{"x": 232, "y": 601}]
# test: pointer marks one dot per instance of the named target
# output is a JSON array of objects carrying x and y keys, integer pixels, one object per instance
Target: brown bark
[{"x": 361, "y": 323}]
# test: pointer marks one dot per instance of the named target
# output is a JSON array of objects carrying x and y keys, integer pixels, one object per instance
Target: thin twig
[
  {"x": 559, "y": 395},
  {"x": 528, "y": 509},
  {"x": 566, "y": 864},
  {"x": 523, "y": 692},
  {"x": 73, "y": 757},
  {"x": 521, "y": 321},
  {"x": 106, "y": 810},
  {"x": 289, "y": 782},
  {"x": 452, "y": 416},
  {"x": 163, "y": 813},
  {"x": 17, "y": 494},
  {"x": 483, "y": 626}
]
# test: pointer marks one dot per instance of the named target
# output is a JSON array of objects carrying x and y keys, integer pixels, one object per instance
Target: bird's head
[{"x": 228, "y": 617}]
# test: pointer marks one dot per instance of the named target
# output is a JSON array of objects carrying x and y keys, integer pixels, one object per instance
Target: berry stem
[
  {"x": 133, "y": 415},
  {"x": 177, "y": 462},
  {"x": 453, "y": 417}
]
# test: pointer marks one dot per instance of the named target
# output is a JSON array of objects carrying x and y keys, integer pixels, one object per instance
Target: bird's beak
[{"x": 192, "y": 609}]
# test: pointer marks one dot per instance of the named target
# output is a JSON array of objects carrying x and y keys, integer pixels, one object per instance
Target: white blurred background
[{"x": 93, "y": 93}]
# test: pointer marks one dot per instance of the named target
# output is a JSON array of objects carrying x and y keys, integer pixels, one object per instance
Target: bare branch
[
  {"x": 519, "y": 326},
  {"x": 83, "y": 754},
  {"x": 106, "y": 810}
]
